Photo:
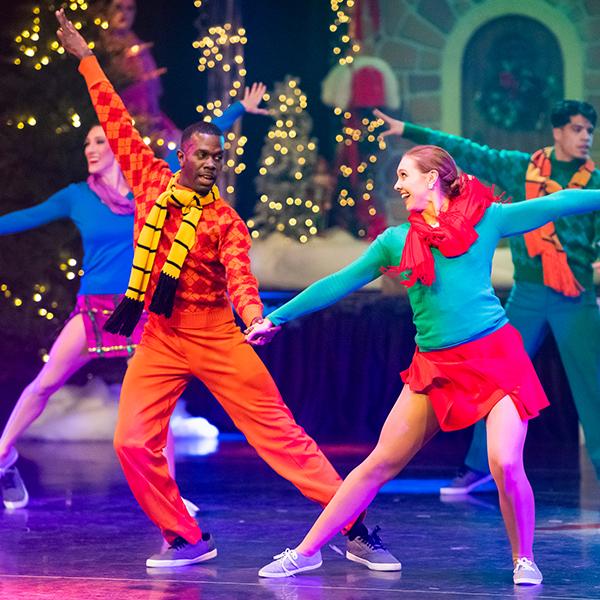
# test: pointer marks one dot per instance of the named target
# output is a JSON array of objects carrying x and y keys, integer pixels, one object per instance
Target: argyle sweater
[
  {"x": 218, "y": 264},
  {"x": 579, "y": 235}
]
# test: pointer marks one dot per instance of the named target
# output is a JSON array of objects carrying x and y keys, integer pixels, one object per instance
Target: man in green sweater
[{"x": 554, "y": 265}]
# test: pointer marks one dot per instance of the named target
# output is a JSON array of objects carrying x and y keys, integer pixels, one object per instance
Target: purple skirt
[{"x": 95, "y": 310}]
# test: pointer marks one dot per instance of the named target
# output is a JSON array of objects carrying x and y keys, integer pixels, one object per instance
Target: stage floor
[{"x": 83, "y": 536}]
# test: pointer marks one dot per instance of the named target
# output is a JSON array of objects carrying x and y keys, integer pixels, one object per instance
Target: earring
[{"x": 430, "y": 186}]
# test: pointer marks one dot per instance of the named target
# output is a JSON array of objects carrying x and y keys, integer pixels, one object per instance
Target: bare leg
[
  {"x": 67, "y": 355},
  {"x": 409, "y": 426},
  {"x": 506, "y": 436}
]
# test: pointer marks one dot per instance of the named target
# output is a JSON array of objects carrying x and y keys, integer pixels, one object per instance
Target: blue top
[
  {"x": 107, "y": 238},
  {"x": 461, "y": 305}
]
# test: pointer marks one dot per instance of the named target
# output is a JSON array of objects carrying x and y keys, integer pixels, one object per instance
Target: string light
[
  {"x": 220, "y": 42},
  {"x": 287, "y": 161},
  {"x": 354, "y": 130}
]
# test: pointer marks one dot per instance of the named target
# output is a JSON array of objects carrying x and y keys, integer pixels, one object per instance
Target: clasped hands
[{"x": 261, "y": 332}]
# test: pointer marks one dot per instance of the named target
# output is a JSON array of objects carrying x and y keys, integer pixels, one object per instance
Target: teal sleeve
[
  {"x": 329, "y": 290},
  {"x": 229, "y": 117},
  {"x": 505, "y": 168},
  {"x": 58, "y": 206},
  {"x": 514, "y": 219},
  {"x": 597, "y": 235}
]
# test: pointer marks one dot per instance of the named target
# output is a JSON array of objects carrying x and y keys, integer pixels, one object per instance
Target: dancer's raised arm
[{"x": 137, "y": 161}]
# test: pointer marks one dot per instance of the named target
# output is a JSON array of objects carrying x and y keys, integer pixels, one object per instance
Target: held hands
[
  {"x": 261, "y": 332},
  {"x": 253, "y": 97},
  {"x": 71, "y": 40},
  {"x": 395, "y": 127}
]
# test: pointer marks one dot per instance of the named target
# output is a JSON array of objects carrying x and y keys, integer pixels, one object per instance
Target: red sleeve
[
  {"x": 241, "y": 283},
  {"x": 140, "y": 167}
]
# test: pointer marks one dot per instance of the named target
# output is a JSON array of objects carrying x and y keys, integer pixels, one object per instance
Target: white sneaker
[
  {"x": 526, "y": 572},
  {"x": 289, "y": 563},
  {"x": 466, "y": 481}
]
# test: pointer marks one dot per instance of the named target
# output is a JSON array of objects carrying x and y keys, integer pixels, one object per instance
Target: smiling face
[
  {"x": 201, "y": 161},
  {"x": 574, "y": 140},
  {"x": 98, "y": 154},
  {"x": 413, "y": 185}
]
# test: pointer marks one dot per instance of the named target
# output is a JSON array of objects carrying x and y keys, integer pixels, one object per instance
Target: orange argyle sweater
[{"x": 218, "y": 264}]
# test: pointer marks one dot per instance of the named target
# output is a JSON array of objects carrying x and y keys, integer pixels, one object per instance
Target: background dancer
[{"x": 469, "y": 363}]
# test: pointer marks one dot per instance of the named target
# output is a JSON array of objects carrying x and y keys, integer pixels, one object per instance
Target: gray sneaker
[
  {"x": 466, "y": 481},
  {"x": 371, "y": 552},
  {"x": 526, "y": 572},
  {"x": 14, "y": 492},
  {"x": 181, "y": 553},
  {"x": 289, "y": 563},
  {"x": 9, "y": 461}
]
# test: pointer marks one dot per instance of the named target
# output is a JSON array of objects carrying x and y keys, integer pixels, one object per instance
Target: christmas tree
[
  {"x": 288, "y": 160},
  {"x": 43, "y": 123}
]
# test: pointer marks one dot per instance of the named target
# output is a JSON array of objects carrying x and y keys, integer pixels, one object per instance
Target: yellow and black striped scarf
[{"x": 127, "y": 314}]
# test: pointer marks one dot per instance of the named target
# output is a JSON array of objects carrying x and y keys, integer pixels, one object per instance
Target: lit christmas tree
[
  {"x": 288, "y": 159},
  {"x": 43, "y": 122}
]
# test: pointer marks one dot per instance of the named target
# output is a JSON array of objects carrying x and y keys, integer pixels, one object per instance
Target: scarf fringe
[
  {"x": 125, "y": 317},
  {"x": 163, "y": 297}
]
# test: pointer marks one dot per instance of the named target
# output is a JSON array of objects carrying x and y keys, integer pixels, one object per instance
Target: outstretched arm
[
  {"x": 54, "y": 208},
  {"x": 137, "y": 161},
  {"x": 505, "y": 168},
  {"x": 329, "y": 290},
  {"x": 249, "y": 104},
  {"x": 514, "y": 219}
]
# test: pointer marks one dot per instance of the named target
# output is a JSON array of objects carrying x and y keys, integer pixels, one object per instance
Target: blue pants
[{"x": 533, "y": 309}]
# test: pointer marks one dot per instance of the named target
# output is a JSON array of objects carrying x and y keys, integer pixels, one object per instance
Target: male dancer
[
  {"x": 192, "y": 251},
  {"x": 554, "y": 265}
]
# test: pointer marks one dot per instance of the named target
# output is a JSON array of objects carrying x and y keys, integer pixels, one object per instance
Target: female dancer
[
  {"x": 102, "y": 209},
  {"x": 469, "y": 363}
]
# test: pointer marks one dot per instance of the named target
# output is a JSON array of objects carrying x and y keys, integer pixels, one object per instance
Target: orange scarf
[{"x": 544, "y": 241}]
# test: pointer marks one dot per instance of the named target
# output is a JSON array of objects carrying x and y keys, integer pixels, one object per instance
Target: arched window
[{"x": 512, "y": 73}]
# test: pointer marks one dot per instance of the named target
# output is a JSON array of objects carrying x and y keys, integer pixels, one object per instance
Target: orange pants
[{"x": 164, "y": 362}]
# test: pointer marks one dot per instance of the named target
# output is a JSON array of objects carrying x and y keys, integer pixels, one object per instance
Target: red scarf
[{"x": 453, "y": 237}]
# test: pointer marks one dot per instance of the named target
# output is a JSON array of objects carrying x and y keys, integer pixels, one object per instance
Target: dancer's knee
[{"x": 506, "y": 470}]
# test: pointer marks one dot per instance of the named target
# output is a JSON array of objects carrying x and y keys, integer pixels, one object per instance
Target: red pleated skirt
[{"x": 466, "y": 381}]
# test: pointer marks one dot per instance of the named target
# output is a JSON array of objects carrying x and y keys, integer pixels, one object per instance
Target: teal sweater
[
  {"x": 579, "y": 235},
  {"x": 461, "y": 305}
]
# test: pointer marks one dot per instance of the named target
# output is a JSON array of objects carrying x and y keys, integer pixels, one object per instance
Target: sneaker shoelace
[
  {"x": 290, "y": 555},
  {"x": 524, "y": 564},
  {"x": 178, "y": 543},
  {"x": 373, "y": 541}
]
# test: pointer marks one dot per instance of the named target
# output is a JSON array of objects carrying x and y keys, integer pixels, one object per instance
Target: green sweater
[
  {"x": 461, "y": 305},
  {"x": 579, "y": 235}
]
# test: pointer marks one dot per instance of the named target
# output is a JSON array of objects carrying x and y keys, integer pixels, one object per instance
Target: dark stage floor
[{"x": 83, "y": 536}]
